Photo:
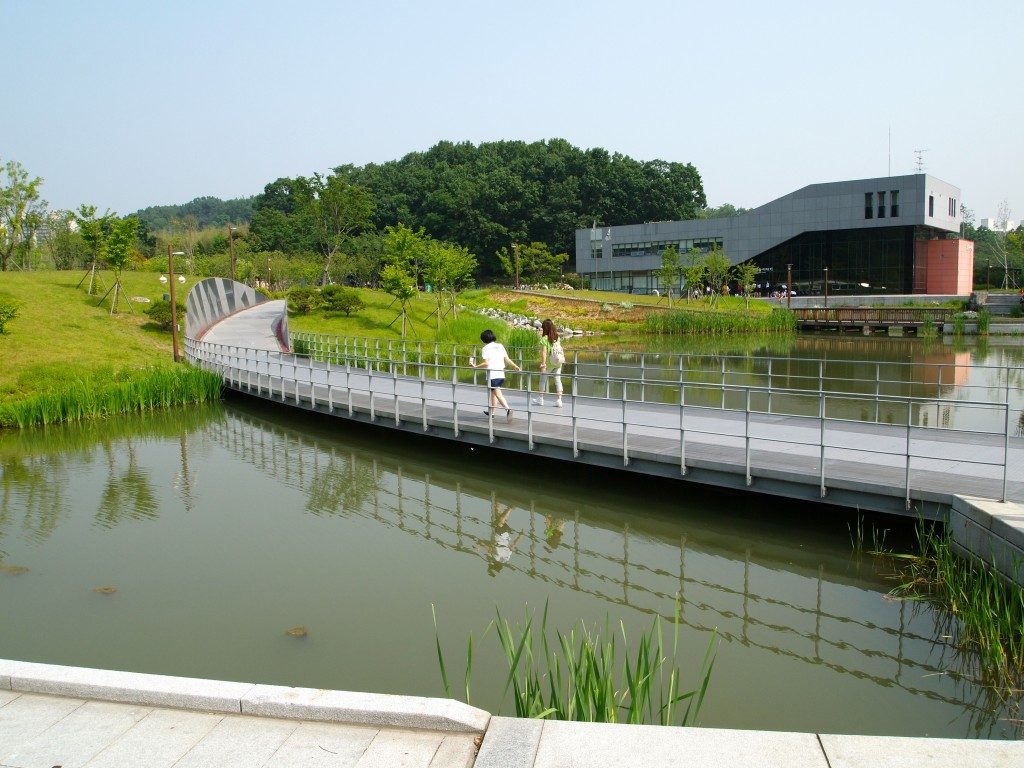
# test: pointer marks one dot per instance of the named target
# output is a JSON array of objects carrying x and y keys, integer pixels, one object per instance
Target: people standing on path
[
  {"x": 551, "y": 360},
  {"x": 495, "y": 358}
]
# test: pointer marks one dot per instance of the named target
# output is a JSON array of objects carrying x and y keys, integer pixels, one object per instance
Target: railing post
[
  {"x": 682, "y": 427},
  {"x": 394, "y": 383},
  {"x": 643, "y": 371},
  {"x": 906, "y": 499},
  {"x": 625, "y": 429},
  {"x": 746, "y": 434},
  {"x": 723, "y": 383},
  {"x": 770, "y": 385},
  {"x": 1006, "y": 436},
  {"x": 369, "y": 386},
  {"x": 572, "y": 412},
  {"x": 878, "y": 386},
  {"x": 607, "y": 375},
  {"x": 821, "y": 442},
  {"x": 455, "y": 410},
  {"x": 529, "y": 412},
  {"x": 348, "y": 383},
  {"x": 423, "y": 402}
]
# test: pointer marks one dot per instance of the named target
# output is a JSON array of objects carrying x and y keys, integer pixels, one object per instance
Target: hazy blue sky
[{"x": 129, "y": 104}]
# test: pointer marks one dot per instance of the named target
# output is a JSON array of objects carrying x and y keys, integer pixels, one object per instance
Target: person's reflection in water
[
  {"x": 502, "y": 545},
  {"x": 554, "y": 527}
]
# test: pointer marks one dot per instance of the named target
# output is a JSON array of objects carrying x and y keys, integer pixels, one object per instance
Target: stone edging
[{"x": 381, "y": 710}]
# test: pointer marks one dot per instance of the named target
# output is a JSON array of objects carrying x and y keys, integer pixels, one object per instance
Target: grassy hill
[{"x": 60, "y": 334}]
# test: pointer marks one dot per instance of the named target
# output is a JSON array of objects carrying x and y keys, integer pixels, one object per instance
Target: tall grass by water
[
  {"x": 986, "y": 611},
  {"x": 102, "y": 393},
  {"x": 780, "y": 320},
  {"x": 589, "y": 674}
]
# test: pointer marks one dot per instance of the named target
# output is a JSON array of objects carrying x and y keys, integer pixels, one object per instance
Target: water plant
[
  {"x": 585, "y": 674},
  {"x": 97, "y": 396},
  {"x": 984, "y": 318},
  {"x": 780, "y": 320},
  {"x": 987, "y": 611}
]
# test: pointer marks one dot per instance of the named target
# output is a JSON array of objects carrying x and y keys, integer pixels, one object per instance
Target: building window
[
  {"x": 952, "y": 207},
  {"x": 881, "y": 205},
  {"x": 869, "y": 205},
  {"x": 596, "y": 251},
  {"x": 894, "y": 203},
  {"x": 931, "y": 205}
]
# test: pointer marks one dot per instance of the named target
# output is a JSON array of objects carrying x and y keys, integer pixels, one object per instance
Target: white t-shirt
[{"x": 494, "y": 354}]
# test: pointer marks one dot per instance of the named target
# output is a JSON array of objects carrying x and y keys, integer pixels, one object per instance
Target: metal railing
[
  {"x": 922, "y": 381},
  {"x": 440, "y": 391}
]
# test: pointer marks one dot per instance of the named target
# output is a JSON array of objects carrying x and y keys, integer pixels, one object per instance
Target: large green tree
[
  {"x": 489, "y": 195},
  {"x": 533, "y": 262},
  {"x": 21, "y": 211}
]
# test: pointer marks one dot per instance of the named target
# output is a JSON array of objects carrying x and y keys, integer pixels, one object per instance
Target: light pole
[
  {"x": 826, "y": 287},
  {"x": 789, "y": 286},
  {"x": 174, "y": 302},
  {"x": 515, "y": 260},
  {"x": 231, "y": 247}
]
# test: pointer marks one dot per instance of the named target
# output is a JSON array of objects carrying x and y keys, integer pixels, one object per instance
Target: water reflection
[
  {"x": 755, "y": 593},
  {"x": 353, "y": 533}
]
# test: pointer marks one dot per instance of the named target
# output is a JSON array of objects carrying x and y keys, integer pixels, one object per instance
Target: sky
[{"x": 124, "y": 104}]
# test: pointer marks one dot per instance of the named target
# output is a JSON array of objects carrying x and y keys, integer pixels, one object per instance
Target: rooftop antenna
[{"x": 919, "y": 163}]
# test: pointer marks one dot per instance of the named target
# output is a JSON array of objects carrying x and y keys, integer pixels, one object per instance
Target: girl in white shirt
[{"x": 495, "y": 358}]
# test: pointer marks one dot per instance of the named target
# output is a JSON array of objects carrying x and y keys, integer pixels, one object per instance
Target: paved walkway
[
  {"x": 44, "y": 730},
  {"x": 39, "y": 731}
]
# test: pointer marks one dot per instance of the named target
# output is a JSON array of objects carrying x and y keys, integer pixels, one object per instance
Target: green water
[{"x": 223, "y": 527}]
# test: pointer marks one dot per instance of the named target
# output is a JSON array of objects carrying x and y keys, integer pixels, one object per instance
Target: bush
[
  {"x": 8, "y": 311},
  {"x": 337, "y": 298},
  {"x": 574, "y": 279},
  {"x": 160, "y": 313},
  {"x": 302, "y": 301}
]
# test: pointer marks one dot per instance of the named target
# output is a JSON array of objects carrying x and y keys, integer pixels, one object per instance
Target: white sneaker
[
  {"x": 538, "y": 401},
  {"x": 558, "y": 403}
]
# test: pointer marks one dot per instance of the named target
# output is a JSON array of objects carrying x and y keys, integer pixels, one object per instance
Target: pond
[{"x": 190, "y": 542}]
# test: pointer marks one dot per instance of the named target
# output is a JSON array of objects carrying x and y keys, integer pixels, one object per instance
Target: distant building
[
  {"x": 997, "y": 226},
  {"x": 895, "y": 234}
]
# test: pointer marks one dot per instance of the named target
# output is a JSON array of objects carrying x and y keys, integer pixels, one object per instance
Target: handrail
[{"x": 303, "y": 375}]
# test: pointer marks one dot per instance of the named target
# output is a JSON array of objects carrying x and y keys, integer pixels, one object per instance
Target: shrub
[
  {"x": 573, "y": 279},
  {"x": 302, "y": 301},
  {"x": 160, "y": 313},
  {"x": 337, "y": 298},
  {"x": 8, "y": 311}
]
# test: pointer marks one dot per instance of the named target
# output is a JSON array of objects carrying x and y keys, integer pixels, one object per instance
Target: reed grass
[
  {"x": 103, "y": 393},
  {"x": 988, "y": 609},
  {"x": 589, "y": 674},
  {"x": 780, "y": 320}
]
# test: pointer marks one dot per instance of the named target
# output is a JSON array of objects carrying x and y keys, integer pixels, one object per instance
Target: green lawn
[{"x": 60, "y": 334}]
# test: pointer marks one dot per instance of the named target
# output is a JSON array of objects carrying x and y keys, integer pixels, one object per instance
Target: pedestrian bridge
[{"x": 869, "y": 444}]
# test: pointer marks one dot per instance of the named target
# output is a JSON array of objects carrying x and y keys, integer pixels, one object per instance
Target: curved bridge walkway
[{"x": 869, "y": 466}]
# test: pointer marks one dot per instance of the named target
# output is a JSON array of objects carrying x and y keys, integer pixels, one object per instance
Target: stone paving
[{"x": 41, "y": 731}]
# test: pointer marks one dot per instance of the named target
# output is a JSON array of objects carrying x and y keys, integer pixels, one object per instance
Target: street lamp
[
  {"x": 174, "y": 303},
  {"x": 231, "y": 247},
  {"x": 515, "y": 260},
  {"x": 826, "y": 287},
  {"x": 789, "y": 286}
]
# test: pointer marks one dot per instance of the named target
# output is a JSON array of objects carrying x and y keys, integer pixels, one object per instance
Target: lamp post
[
  {"x": 988, "y": 278},
  {"x": 826, "y": 287},
  {"x": 515, "y": 260},
  {"x": 231, "y": 247},
  {"x": 174, "y": 302},
  {"x": 789, "y": 286}
]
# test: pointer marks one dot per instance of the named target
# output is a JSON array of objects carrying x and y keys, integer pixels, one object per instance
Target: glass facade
[{"x": 859, "y": 261}]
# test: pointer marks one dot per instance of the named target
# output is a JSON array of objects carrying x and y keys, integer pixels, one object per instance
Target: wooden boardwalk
[{"x": 881, "y": 467}]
